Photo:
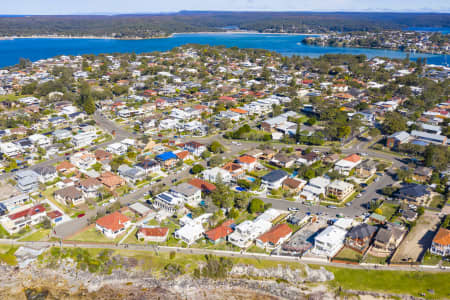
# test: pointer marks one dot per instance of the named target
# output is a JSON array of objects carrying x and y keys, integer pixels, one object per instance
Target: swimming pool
[
  {"x": 251, "y": 179},
  {"x": 240, "y": 189}
]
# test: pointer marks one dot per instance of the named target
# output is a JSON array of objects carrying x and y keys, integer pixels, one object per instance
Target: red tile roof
[
  {"x": 202, "y": 184},
  {"x": 239, "y": 110},
  {"x": 27, "y": 212},
  {"x": 182, "y": 154},
  {"x": 154, "y": 231},
  {"x": 247, "y": 159},
  {"x": 275, "y": 234},
  {"x": 113, "y": 221},
  {"x": 353, "y": 158},
  {"x": 220, "y": 231},
  {"x": 442, "y": 237},
  {"x": 54, "y": 214}
]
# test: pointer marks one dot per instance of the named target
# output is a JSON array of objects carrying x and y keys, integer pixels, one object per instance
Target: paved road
[{"x": 197, "y": 251}]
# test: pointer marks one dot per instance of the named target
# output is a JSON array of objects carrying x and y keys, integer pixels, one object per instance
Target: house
[
  {"x": 55, "y": 216},
  {"x": 140, "y": 209},
  {"x": 153, "y": 234},
  {"x": 189, "y": 193},
  {"x": 283, "y": 161},
  {"x": 360, "y": 236},
  {"x": 376, "y": 218},
  {"x": 345, "y": 165},
  {"x": 66, "y": 167},
  {"x": 62, "y": 134},
  {"x": 168, "y": 201},
  {"x": 84, "y": 139},
  {"x": 422, "y": 174},
  {"x": 190, "y": 232},
  {"x": 329, "y": 241},
  {"x": 441, "y": 243},
  {"x": 27, "y": 181},
  {"x": 184, "y": 155},
  {"x": 247, "y": 231},
  {"x": 215, "y": 173},
  {"x": 409, "y": 215},
  {"x": 46, "y": 173},
  {"x": 83, "y": 160},
  {"x": 308, "y": 158},
  {"x": 117, "y": 148},
  {"x": 247, "y": 162},
  {"x": 14, "y": 202},
  {"x": 111, "y": 180},
  {"x": 195, "y": 148},
  {"x": 366, "y": 169},
  {"x": 397, "y": 138},
  {"x": 90, "y": 187},
  {"x": 331, "y": 158},
  {"x": 274, "y": 237},
  {"x": 69, "y": 196},
  {"x": 236, "y": 171},
  {"x": 315, "y": 188},
  {"x": 131, "y": 174},
  {"x": 414, "y": 193},
  {"x": 388, "y": 238},
  {"x": 268, "y": 154},
  {"x": 149, "y": 166},
  {"x": 202, "y": 184},
  {"x": 339, "y": 189},
  {"x": 113, "y": 225},
  {"x": 10, "y": 149},
  {"x": 429, "y": 137},
  {"x": 102, "y": 155},
  {"x": 167, "y": 159},
  {"x": 294, "y": 185},
  {"x": 274, "y": 179},
  {"x": 31, "y": 215},
  {"x": 220, "y": 233}
]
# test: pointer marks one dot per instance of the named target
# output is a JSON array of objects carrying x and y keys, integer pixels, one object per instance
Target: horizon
[
  {"x": 115, "y": 7},
  {"x": 149, "y": 13}
]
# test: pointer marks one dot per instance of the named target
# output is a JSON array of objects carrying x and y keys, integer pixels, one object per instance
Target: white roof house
[
  {"x": 214, "y": 173},
  {"x": 248, "y": 231},
  {"x": 190, "y": 232},
  {"x": 10, "y": 149},
  {"x": 344, "y": 223},
  {"x": 117, "y": 148},
  {"x": 329, "y": 242}
]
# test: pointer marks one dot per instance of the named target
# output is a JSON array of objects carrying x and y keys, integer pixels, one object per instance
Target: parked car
[
  {"x": 81, "y": 215},
  {"x": 331, "y": 206},
  {"x": 293, "y": 209}
]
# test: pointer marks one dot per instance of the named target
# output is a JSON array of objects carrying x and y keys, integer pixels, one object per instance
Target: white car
[{"x": 293, "y": 209}]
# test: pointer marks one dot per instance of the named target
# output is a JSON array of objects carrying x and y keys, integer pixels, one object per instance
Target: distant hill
[{"x": 156, "y": 25}]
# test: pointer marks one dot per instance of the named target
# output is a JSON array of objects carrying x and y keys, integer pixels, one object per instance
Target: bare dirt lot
[
  {"x": 7, "y": 191},
  {"x": 419, "y": 239}
]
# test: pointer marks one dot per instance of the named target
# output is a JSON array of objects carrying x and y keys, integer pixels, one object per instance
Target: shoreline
[{"x": 95, "y": 37}]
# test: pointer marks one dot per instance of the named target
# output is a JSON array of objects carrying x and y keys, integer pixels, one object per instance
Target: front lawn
[
  {"x": 369, "y": 259},
  {"x": 94, "y": 236},
  {"x": 348, "y": 254},
  {"x": 388, "y": 210},
  {"x": 36, "y": 236}
]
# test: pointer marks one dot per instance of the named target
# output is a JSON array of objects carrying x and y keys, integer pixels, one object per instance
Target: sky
[{"x": 49, "y": 7}]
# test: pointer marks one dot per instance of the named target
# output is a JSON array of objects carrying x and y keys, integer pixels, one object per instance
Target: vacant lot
[
  {"x": 400, "y": 282},
  {"x": 348, "y": 254},
  {"x": 418, "y": 240}
]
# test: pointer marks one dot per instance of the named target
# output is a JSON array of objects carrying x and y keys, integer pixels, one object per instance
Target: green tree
[
  {"x": 256, "y": 205},
  {"x": 393, "y": 122},
  {"x": 198, "y": 168},
  {"x": 89, "y": 105}
]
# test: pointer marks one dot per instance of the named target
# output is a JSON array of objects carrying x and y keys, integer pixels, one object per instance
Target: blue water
[
  {"x": 444, "y": 30},
  {"x": 251, "y": 179},
  {"x": 35, "y": 49}
]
